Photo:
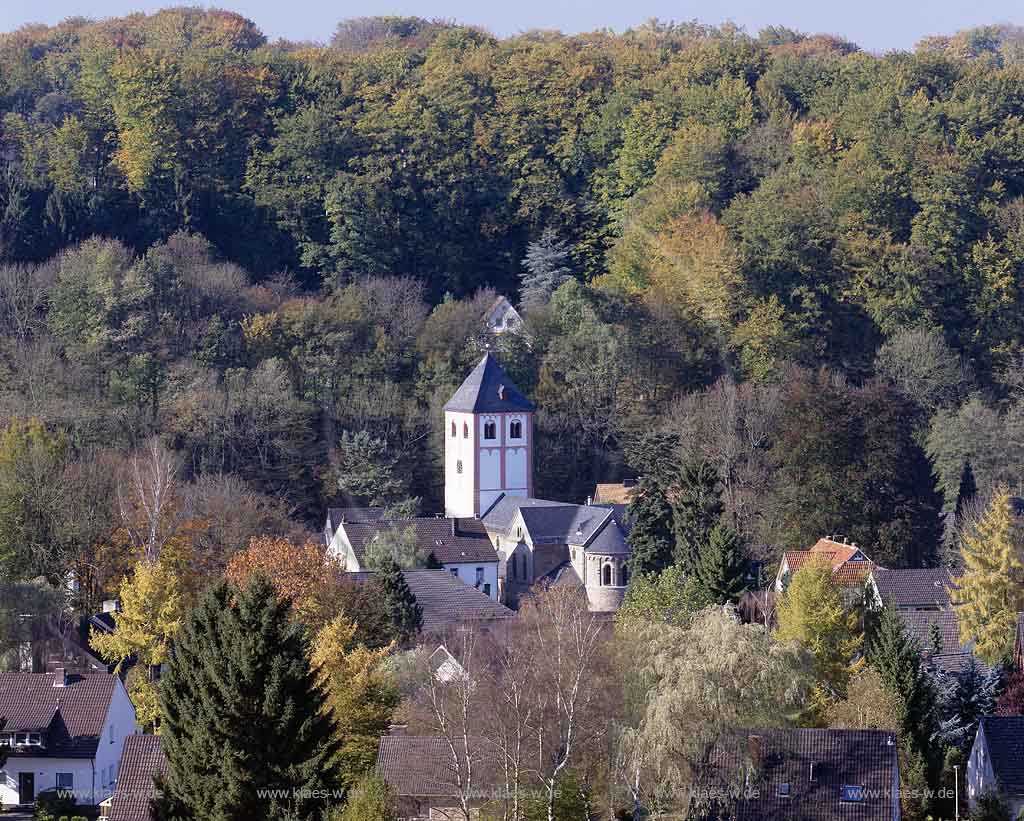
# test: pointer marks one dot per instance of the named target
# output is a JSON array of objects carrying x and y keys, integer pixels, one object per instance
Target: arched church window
[
  {"x": 465, "y": 431},
  {"x": 490, "y": 430},
  {"x": 515, "y": 430},
  {"x": 606, "y": 575},
  {"x": 624, "y": 576},
  {"x": 453, "y": 430}
]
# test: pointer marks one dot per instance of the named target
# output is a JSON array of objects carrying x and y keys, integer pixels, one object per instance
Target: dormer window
[
  {"x": 490, "y": 430},
  {"x": 515, "y": 430},
  {"x": 852, "y": 793},
  {"x": 784, "y": 790}
]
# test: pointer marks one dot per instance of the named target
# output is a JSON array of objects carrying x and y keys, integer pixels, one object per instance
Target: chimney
[{"x": 60, "y": 677}]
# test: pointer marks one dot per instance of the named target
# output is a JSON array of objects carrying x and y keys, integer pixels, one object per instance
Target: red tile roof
[{"x": 846, "y": 568}]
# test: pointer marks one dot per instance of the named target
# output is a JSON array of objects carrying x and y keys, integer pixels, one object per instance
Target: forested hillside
[{"x": 778, "y": 253}]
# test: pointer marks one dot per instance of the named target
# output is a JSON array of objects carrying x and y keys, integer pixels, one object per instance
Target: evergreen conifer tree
[
  {"x": 544, "y": 269},
  {"x": 242, "y": 713},
  {"x": 650, "y": 528},
  {"x": 406, "y": 614},
  {"x": 991, "y": 590},
  {"x": 897, "y": 658},
  {"x": 720, "y": 566},
  {"x": 697, "y": 508}
]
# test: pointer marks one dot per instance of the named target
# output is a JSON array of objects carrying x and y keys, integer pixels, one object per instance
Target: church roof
[
  {"x": 596, "y": 528},
  {"x": 488, "y": 389}
]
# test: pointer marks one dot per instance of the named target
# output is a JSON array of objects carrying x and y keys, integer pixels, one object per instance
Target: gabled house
[
  {"x": 426, "y": 780},
  {"x": 502, "y": 317},
  {"x": 461, "y": 545},
  {"x": 449, "y": 604},
  {"x": 614, "y": 493},
  {"x": 141, "y": 761},
  {"x": 66, "y": 732},
  {"x": 926, "y": 588},
  {"x": 811, "y": 775},
  {"x": 850, "y": 565},
  {"x": 997, "y": 761}
]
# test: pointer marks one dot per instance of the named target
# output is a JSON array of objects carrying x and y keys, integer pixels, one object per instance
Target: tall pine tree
[
  {"x": 720, "y": 566},
  {"x": 406, "y": 614},
  {"x": 650, "y": 528},
  {"x": 242, "y": 713},
  {"x": 696, "y": 510}
]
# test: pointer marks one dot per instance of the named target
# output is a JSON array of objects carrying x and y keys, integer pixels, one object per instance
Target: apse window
[{"x": 852, "y": 793}]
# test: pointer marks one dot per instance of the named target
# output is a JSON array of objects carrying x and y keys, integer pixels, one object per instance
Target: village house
[
  {"x": 850, "y": 565},
  {"x": 813, "y": 775},
  {"x": 502, "y": 317},
  {"x": 426, "y": 779},
  {"x": 142, "y": 760},
  {"x": 996, "y": 764},
  {"x": 66, "y": 732},
  {"x": 462, "y": 546},
  {"x": 910, "y": 589},
  {"x": 450, "y": 604}
]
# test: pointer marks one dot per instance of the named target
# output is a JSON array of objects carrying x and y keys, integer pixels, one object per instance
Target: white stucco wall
[
  {"x": 490, "y": 469},
  {"x": 516, "y": 471},
  {"x": 467, "y": 573}
]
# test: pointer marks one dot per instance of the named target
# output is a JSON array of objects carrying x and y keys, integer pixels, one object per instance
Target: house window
[
  {"x": 490, "y": 430},
  {"x": 515, "y": 430},
  {"x": 465, "y": 431},
  {"x": 454, "y": 571},
  {"x": 606, "y": 575},
  {"x": 65, "y": 781},
  {"x": 519, "y": 533},
  {"x": 479, "y": 577},
  {"x": 852, "y": 793},
  {"x": 784, "y": 790},
  {"x": 487, "y": 590},
  {"x": 458, "y": 466},
  {"x": 453, "y": 430}
]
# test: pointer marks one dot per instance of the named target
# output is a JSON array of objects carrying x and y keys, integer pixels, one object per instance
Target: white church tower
[{"x": 488, "y": 434}]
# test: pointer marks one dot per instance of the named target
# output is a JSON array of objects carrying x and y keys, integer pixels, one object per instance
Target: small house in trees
[
  {"x": 141, "y": 761},
  {"x": 64, "y": 732},
  {"x": 614, "y": 493},
  {"x": 850, "y": 565},
  {"x": 502, "y": 317},
  {"x": 996, "y": 764}
]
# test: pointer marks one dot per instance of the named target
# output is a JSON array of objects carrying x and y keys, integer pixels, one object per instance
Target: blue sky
[{"x": 874, "y": 24}]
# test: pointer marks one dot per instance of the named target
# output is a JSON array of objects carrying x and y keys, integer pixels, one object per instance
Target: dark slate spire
[{"x": 488, "y": 390}]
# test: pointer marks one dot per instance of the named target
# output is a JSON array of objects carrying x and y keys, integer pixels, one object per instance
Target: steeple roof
[{"x": 488, "y": 390}]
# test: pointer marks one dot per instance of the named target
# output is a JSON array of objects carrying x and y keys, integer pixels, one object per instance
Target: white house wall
[
  {"x": 45, "y": 772},
  {"x": 466, "y": 572},
  {"x": 460, "y": 488},
  {"x": 120, "y": 724}
]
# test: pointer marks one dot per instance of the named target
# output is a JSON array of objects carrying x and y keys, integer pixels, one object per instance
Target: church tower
[{"x": 488, "y": 435}]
